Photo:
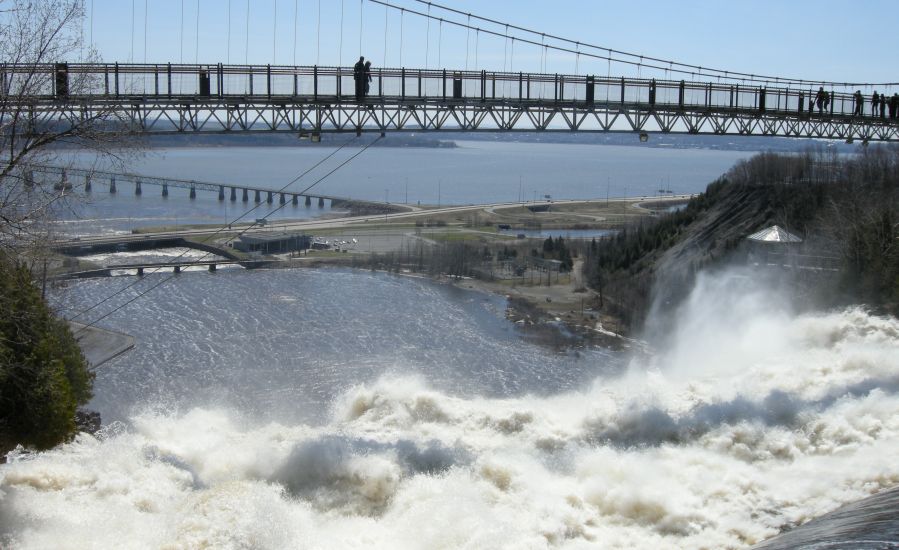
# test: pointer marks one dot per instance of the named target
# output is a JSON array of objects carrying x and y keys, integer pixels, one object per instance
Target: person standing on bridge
[
  {"x": 358, "y": 74},
  {"x": 894, "y": 106},
  {"x": 875, "y": 102},
  {"x": 883, "y": 106},
  {"x": 366, "y": 77},
  {"x": 859, "y": 103},
  {"x": 820, "y": 98}
]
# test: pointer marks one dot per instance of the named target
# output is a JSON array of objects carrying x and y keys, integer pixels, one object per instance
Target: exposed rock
[{"x": 87, "y": 420}]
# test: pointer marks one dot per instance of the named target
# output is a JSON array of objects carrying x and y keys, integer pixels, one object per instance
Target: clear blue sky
[{"x": 820, "y": 39}]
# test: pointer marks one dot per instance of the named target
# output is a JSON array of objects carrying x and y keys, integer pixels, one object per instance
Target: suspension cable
[
  {"x": 181, "y": 53},
  {"x": 274, "y": 32},
  {"x": 318, "y": 33},
  {"x": 428, "y": 39},
  {"x": 246, "y": 48},
  {"x": 146, "y": 10},
  {"x": 402, "y": 12},
  {"x": 131, "y": 51},
  {"x": 197, "y": 47},
  {"x": 386, "y": 13},
  {"x": 228, "y": 55},
  {"x": 296, "y": 14},
  {"x": 683, "y": 68},
  {"x": 361, "y": 20},
  {"x": 339, "y": 47}
]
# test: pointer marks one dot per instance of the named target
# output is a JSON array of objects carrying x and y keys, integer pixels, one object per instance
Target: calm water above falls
[{"x": 336, "y": 409}]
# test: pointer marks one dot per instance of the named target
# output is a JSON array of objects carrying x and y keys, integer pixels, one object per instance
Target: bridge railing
[{"x": 189, "y": 83}]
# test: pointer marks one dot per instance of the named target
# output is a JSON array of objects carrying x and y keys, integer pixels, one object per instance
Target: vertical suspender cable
[
  {"x": 228, "y": 54},
  {"x": 361, "y": 19},
  {"x": 274, "y": 32},
  {"x": 402, "y": 14},
  {"x": 340, "y": 47},
  {"x": 477, "y": 39},
  {"x": 83, "y": 17},
  {"x": 197, "y": 37},
  {"x": 386, "y": 13},
  {"x": 145, "y": 29},
  {"x": 296, "y": 11},
  {"x": 577, "y": 58},
  {"x": 427, "y": 35},
  {"x": 246, "y": 48},
  {"x": 467, "y": 40},
  {"x": 92, "y": 25},
  {"x": 318, "y": 32},
  {"x": 440, "y": 44},
  {"x": 181, "y": 51},
  {"x": 131, "y": 52}
]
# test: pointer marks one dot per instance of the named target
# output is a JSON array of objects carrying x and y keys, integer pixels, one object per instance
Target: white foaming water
[{"x": 752, "y": 420}]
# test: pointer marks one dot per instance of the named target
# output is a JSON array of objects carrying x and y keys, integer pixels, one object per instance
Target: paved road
[{"x": 335, "y": 223}]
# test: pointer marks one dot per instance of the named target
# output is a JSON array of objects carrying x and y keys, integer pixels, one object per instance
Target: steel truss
[{"x": 300, "y": 115}]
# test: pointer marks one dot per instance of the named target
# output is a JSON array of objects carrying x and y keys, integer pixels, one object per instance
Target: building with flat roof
[{"x": 273, "y": 243}]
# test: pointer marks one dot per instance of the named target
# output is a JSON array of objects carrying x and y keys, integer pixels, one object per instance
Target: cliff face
[{"x": 848, "y": 220}]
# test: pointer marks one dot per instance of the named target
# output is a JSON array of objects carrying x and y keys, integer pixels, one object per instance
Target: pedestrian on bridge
[
  {"x": 820, "y": 99},
  {"x": 358, "y": 75},
  {"x": 366, "y": 77},
  {"x": 859, "y": 103},
  {"x": 894, "y": 106},
  {"x": 883, "y": 106},
  {"x": 875, "y": 103}
]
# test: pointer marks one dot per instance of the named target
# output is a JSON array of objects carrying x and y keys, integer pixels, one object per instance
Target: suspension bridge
[
  {"x": 310, "y": 100},
  {"x": 665, "y": 96}
]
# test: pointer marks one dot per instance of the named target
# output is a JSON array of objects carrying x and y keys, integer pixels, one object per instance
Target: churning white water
[{"x": 752, "y": 419}]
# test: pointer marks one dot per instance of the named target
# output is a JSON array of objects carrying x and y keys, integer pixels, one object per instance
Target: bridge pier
[
  {"x": 193, "y": 192},
  {"x": 211, "y": 267},
  {"x": 177, "y": 269},
  {"x": 269, "y": 199},
  {"x": 137, "y": 190},
  {"x": 308, "y": 200},
  {"x": 245, "y": 197},
  {"x": 221, "y": 192},
  {"x": 112, "y": 189},
  {"x": 29, "y": 179},
  {"x": 321, "y": 202},
  {"x": 295, "y": 200},
  {"x": 282, "y": 200},
  {"x": 140, "y": 272},
  {"x": 87, "y": 184},
  {"x": 233, "y": 194},
  {"x": 165, "y": 190},
  {"x": 257, "y": 198}
]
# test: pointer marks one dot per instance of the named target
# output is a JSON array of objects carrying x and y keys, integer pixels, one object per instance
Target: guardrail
[{"x": 181, "y": 82}]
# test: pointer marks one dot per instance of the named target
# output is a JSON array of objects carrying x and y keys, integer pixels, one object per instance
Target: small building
[
  {"x": 273, "y": 243},
  {"x": 773, "y": 246},
  {"x": 774, "y": 235}
]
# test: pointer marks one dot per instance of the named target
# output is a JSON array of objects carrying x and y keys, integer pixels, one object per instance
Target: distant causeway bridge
[
  {"x": 309, "y": 100},
  {"x": 65, "y": 178}
]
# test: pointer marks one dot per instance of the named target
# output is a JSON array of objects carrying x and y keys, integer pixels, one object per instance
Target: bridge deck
[{"x": 223, "y": 98}]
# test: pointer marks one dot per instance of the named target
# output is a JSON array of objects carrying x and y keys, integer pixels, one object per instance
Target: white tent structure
[{"x": 774, "y": 234}]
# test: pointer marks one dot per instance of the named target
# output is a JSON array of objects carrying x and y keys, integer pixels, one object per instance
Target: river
[{"x": 475, "y": 172}]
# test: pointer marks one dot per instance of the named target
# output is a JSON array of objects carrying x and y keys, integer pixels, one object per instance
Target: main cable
[{"x": 638, "y": 60}]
